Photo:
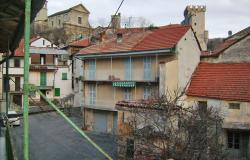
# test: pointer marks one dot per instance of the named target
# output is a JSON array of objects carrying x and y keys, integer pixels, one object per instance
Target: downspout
[
  {"x": 26, "y": 80},
  {"x": 7, "y": 84}
]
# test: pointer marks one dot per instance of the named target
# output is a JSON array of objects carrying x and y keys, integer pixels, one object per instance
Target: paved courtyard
[{"x": 51, "y": 138}]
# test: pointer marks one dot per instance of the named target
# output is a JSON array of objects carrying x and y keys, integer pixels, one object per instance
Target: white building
[{"x": 50, "y": 70}]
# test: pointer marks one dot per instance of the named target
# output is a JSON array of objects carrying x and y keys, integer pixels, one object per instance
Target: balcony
[
  {"x": 100, "y": 104},
  {"x": 39, "y": 67},
  {"x": 14, "y": 71},
  {"x": 119, "y": 75}
]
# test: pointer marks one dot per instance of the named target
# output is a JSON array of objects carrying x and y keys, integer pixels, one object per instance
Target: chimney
[
  {"x": 116, "y": 21},
  {"x": 119, "y": 37},
  {"x": 230, "y": 33}
]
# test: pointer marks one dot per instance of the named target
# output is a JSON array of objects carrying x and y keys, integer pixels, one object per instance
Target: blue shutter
[
  {"x": 147, "y": 92},
  {"x": 128, "y": 69},
  {"x": 147, "y": 68},
  {"x": 92, "y": 94},
  {"x": 128, "y": 94},
  {"x": 92, "y": 69}
]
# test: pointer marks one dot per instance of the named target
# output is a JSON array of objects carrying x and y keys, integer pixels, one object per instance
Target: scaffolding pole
[{"x": 26, "y": 81}]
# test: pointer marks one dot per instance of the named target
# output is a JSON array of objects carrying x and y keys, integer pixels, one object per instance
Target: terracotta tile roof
[
  {"x": 81, "y": 43},
  {"x": 140, "y": 40},
  {"x": 221, "y": 81},
  {"x": 141, "y": 103},
  {"x": 19, "y": 52}
]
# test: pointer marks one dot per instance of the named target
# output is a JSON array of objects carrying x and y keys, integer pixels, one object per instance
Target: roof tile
[{"x": 221, "y": 81}]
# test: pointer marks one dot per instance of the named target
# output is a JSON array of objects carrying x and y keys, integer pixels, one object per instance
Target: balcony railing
[
  {"x": 42, "y": 67},
  {"x": 105, "y": 104},
  {"x": 107, "y": 76}
]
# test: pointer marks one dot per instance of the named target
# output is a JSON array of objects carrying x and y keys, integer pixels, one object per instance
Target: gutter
[{"x": 126, "y": 53}]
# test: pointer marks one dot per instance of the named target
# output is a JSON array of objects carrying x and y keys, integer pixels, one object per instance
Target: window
[
  {"x": 92, "y": 69},
  {"x": 59, "y": 21},
  {"x": 79, "y": 20},
  {"x": 64, "y": 76},
  {"x": 202, "y": 109},
  {"x": 43, "y": 79},
  {"x": 52, "y": 23},
  {"x": 128, "y": 94},
  {"x": 147, "y": 68},
  {"x": 128, "y": 69},
  {"x": 147, "y": 92},
  {"x": 233, "y": 140},
  {"x": 16, "y": 62},
  {"x": 43, "y": 42},
  {"x": 92, "y": 94},
  {"x": 130, "y": 149},
  {"x": 42, "y": 59},
  {"x": 234, "y": 106},
  {"x": 57, "y": 92}
]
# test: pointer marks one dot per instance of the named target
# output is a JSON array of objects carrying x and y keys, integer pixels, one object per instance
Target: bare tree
[
  {"x": 130, "y": 22},
  {"x": 163, "y": 128}
]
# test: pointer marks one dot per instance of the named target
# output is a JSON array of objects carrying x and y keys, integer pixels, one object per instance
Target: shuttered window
[
  {"x": 147, "y": 92},
  {"x": 92, "y": 94},
  {"x": 128, "y": 69},
  {"x": 128, "y": 94},
  {"x": 92, "y": 69},
  {"x": 64, "y": 76},
  {"x": 57, "y": 92},
  {"x": 43, "y": 79},
  {"x": 147, "y": 66}
]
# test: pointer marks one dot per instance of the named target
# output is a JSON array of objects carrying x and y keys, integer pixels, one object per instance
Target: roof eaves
[{"x": 126, "y": 53}]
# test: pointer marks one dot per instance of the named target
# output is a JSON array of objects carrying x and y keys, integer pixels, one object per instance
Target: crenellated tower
[{"x": 195, "y": 16}]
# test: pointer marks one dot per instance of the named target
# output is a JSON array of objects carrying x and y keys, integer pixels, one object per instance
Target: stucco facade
[
  {"x": 105, "y": 79},
  {"x": 235, "y": 120}
]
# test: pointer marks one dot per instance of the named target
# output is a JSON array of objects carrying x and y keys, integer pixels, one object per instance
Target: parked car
[{"x": 13, "y": 118}]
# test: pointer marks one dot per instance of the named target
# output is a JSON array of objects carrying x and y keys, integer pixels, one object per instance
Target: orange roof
[
  {"x": 221, "y": 81},
  {"x": 140, "y": 40},
  {"x": 81, "y": 43},
  {"x": 19, "y": 52}
]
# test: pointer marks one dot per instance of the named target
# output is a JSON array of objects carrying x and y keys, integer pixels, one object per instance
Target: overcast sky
[{"x": 221, "y": 15}]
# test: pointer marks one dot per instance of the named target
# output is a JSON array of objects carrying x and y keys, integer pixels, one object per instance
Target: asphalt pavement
[{"x": 51, "y": 138}]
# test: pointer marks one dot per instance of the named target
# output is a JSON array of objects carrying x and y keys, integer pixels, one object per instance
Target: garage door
[{"x": 100, "y": 121}]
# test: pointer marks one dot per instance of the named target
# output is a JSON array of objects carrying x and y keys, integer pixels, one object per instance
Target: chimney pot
[{"x": 230, "y": 33}]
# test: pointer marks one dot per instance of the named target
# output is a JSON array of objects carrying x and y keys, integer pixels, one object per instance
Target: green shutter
[
  {"x": 57, "y": 92},
  {"x": 43, "y": 79},
  {"x": 64, "y": 76}
]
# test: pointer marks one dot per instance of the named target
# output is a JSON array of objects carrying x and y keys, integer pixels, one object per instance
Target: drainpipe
[
  {"x": 7, "y": 84},
  {"x": 26, "y": 81}
]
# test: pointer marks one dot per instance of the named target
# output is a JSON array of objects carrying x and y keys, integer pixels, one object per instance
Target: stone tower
[
  {"x": 195, "y": 16},
  {"x": 41, "y": 20}
]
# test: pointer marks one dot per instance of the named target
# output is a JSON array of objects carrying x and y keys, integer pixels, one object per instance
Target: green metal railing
[
  {"x": 27, "y": 88},
  {"x": 26, "y": 80}
]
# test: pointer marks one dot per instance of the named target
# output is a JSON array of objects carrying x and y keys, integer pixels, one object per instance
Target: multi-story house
[
  {"x": 77, "y": 70},
  {"x": 134, "y": 64},
  {"x": 50, "y": 70},
  {"x": 16, "y": 65},
  {"x": 222, "y": 81}
]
